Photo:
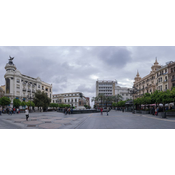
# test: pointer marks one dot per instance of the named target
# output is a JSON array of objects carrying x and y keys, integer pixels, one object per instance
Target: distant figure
[
  {"x": 14, "y": 110},
  {"x": 71, "y": 110},
  {"x": 10, "y": 111},
  {"x": 153, "y": 111},
  {"x": 107, "y": 110},
  {"x": 65, "y": 111},
  {"x": 101, "y": 111},
  {"x": 27, "y": 114}
]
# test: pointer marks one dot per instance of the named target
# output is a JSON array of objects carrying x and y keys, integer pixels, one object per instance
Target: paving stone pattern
[{"x": 115, "y": 120}]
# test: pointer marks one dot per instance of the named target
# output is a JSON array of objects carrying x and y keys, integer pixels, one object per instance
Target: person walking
[
  {"x": 107, "y": 110},
  {"x": 157, "y": 111},
  {"x": 71, "y": 110},
  {"x": 65, "y": 111},
  {"x": 14, "y": 110},
  {"x": 10, "y": 111},
  {"x": 27, "y": 114},
  {"x": 0, "y": 110},
  {"x": 101, "y": 111}
]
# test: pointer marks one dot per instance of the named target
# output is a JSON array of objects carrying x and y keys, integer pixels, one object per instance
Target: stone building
[
  {"x": 162, "y": 78},
  {"x": 146, "y": 84},
  {"x": 21, "y": 86},
  {"x": 75, "y": 99},
  {"x": 171, "y": 75}
]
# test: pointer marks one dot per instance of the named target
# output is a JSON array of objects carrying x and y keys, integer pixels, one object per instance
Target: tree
[
  {"x": 30, "y": 103},
  {"x": 117, "y": 98},
  {"x": 41, "y": 100},
  {"x": 16, "y": 103},
  {"x": 154, "y": 97},
  {"x": 5, "y": 101},
  {"x": 23, "y": 103}
]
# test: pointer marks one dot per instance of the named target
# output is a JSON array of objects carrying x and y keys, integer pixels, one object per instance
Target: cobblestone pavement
[{"x": 115, "y": 120}]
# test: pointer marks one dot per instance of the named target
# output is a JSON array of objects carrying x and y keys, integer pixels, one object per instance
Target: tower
[{"x": 9, "y": 78}]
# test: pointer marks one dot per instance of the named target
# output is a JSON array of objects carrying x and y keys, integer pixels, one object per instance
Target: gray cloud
[{"x": 71, "y": 69}]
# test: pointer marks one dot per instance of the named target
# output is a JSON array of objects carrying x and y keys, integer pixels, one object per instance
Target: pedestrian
[
  {"x": 65, "y": 111},
  {"x": 107, "y": 110},
  {"x": 27, "y": 114},
  {"x": 153, "y": 111},
  {"x": 14, "y": 110},
  {"x": 7, "y": 111},
  {"x": 157, "y": 111},
  {"x": 71, "y": 110},
  {"x": 10, "y": 111},
  {"x": 101, "y": 111},
  {"x": 0, "y": 110}
]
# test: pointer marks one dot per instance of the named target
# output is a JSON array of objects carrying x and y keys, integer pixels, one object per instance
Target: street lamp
[{"x": 133, "y": 91}]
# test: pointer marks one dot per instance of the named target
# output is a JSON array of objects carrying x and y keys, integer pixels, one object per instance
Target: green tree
[
  {"x": 5, "y": 101},
  {"x": 16, "y": 103},
  {"x": 41, "y": 100},
  {"x": 23, "y": 103}
]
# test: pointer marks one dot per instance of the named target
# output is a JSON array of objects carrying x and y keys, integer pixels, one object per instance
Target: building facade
[
  {"x": 162, "y": 78},
  {"x": 106, "y": 87},
  {"x": 171, "y": 75},
  {"x": 74, "y": 99},
  {"x": 124, "y": 92},
  {"x": 146, "y": 84},
  {"x": 21, "y": 86}
]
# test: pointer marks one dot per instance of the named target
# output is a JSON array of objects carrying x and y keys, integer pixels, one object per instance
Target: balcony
[
  {"x": 28, "y": 90},
  {"x": 172, "y": 80},
  {"x": 165, "y": 81},
  {"x": 24, "y": 90}
]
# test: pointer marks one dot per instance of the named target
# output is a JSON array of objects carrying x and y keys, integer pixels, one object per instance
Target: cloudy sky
[{"x": 71, "y": 69}]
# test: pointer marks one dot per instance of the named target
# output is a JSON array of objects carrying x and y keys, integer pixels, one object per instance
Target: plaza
[{"x": 115, "y": 120}]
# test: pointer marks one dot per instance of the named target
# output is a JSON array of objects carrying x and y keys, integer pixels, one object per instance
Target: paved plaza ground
[{"x": 115, "y": 120}]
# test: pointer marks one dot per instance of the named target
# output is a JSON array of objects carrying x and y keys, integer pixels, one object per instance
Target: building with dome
[
  {"x": 21, "y": 86},
  {"x": 156, "y": 80}
]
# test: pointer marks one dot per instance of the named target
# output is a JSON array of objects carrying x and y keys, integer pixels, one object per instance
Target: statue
[{"x": 10, "y": 60}]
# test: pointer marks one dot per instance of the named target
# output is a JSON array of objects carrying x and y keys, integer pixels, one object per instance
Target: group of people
[
  {"x": 68, "y": 111},
  {"x": 9, "y": 110}
]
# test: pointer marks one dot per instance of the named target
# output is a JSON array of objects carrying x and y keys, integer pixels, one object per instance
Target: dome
[{"x": 17, "y": 72}]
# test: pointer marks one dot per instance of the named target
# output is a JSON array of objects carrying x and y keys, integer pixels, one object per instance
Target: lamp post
[{"x": 133, "y": 91}]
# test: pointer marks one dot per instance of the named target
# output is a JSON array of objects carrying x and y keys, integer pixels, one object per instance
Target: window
[
  {"x": 18, "y": 81},
  {"x": 165, "y": 87},
  {"x": 42, "y": 87},
  {"x": 65, "y": 101},
  {"x": 38, "y": 86}
]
